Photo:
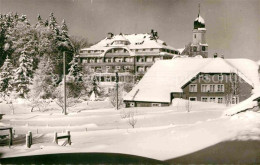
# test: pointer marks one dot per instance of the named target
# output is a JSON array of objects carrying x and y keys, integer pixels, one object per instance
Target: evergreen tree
[
  {"x": 43, "y": 81},
  {"x": 75, "y": 70},
  {"x": 6, "y": 77},
  {"x": 23, "y": 75},
  {"x": 40, "y": 22},
  {"x": 22, "y": 38}
]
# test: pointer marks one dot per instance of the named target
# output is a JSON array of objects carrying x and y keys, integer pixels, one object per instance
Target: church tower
[{"x": 199, "y": 45}]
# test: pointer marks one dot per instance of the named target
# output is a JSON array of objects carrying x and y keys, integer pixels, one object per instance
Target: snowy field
[{"x": 160, "y": 132}]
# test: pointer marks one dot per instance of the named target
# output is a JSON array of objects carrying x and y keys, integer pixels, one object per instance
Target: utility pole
[
  {"x": 116, "y": 90},
  {"x": 64, "y": 81}
]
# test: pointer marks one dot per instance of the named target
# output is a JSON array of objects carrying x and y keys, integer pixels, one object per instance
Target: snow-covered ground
[{"x": 160, "y": 132}]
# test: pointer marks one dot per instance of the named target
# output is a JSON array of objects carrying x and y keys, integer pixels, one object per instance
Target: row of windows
[
  {"x": 209, "y": 99},
  {"x": 120, "y": 50},
  {"x": 206, "y": 77},
  {"x": 110, "y": 67},
  {"x": 203, "y": 48},
  {"x": 112, "y": 60},
  {"x": 207, "y": 88},
  {"x": 213, "y": 99},
  {"x": 126, "y": 68}
]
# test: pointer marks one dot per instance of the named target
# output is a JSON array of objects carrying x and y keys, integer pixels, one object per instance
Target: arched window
[
  {"x": 203, "y": 48},
  {"x": 194, "y": 49}
]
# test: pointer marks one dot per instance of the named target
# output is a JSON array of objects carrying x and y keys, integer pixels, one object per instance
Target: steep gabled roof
[{"x": 168, "y": 76}]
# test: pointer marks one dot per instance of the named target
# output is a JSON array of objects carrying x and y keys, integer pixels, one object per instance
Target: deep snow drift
[{"x": 160, "y": 132}]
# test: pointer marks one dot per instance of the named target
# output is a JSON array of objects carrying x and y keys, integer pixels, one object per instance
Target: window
[
  {"x": 126, "y": 67},
  {"x": 235, "y": 100},
  {"x": 149, "y": 59},
  {"x": 132, "y": 104},
  {"x": 118, "y": 67},
  {"x": 212, "y": 88},
  {"x": 118, "y": 60},
  {"x": 220, "y": 100},
  {"x": 140, "y": 69},
  {"x": 204, "y": 99},
  {"x": 203, "y": 48},
  {"x": 194, "y": 49},
  {"x": 212, "y": 99},
  {"x": 193, "y": 88},
  {"x": 156, "y": 104},
  {"x": 193, "y": 98},
  {"x": 204, "y": 88},
  {"x": 220, "y": 77},
  {"x": 206, "y": 78},
  {"x": 108, "y": 79},
  {"x": 108, "y": 60},
  {"x": 221, "y": 88},
  {"x": 108, "y": 67},
  {"x": 156, "y": 58}
]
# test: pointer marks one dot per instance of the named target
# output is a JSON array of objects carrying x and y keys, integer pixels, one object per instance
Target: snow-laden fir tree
[
  {"x": 64, "y": 40},
  {"x": 75, "y": 70},
  {"x": 22, "y": 39},
  {"x": 23, "y": 75},
  {"x": 6, "y": 78},
  {"x": 43, "y": 83}
]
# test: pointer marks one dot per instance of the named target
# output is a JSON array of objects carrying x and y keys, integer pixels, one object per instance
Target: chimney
[
  {"x": 110, "y": 35},
  {"x": 215, "y": 55}
]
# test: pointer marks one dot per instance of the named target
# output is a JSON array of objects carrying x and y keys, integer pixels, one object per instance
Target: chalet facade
[
  {"x": 217, "y": 87},
  {"x": 129, "y": 55},
  {"x": 208, "y": 80}
]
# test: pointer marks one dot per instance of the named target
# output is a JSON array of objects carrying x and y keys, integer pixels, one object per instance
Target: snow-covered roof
[
  {"x": 168, "y": 76},
  {"x": 137, "y": 41},
  {"x": 200, "y": 19},
  {"x": 181, "y": 50}
]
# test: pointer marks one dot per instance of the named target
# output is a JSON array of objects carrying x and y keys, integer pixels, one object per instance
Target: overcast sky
[{"x": 233, "y": 26}]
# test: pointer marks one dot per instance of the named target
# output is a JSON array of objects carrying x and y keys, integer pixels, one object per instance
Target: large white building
[{"x": 131, "y": 55}]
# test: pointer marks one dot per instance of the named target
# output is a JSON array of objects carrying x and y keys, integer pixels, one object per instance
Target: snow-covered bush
[
  {"x": 132, "y": 120},
  {"x": 71, "y": 101},
  {"x": 116, "y": 97}
]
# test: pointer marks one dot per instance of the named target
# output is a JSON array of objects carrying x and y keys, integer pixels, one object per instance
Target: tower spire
[{"x": 199, "y": 9}]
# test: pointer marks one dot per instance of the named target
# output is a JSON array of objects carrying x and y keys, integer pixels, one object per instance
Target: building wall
[
  {"x": 129, "y": 104},
  {"x": 200, "y": 37},
  {"x": 210, "y": 80},
  {"x": 119, "y": 60}
]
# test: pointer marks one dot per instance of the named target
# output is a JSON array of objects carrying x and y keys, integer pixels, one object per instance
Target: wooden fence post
[
  {"x": 28, "y": 141},
  {"x": 55, "y": 138},
  {"x": 69, "y": 139},
  {"x": 11, "y": 137},
  {"x": 30, "y": 135}
]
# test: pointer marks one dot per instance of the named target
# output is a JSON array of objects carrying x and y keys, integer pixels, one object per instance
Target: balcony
[{"x": 118, "y": 54}]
